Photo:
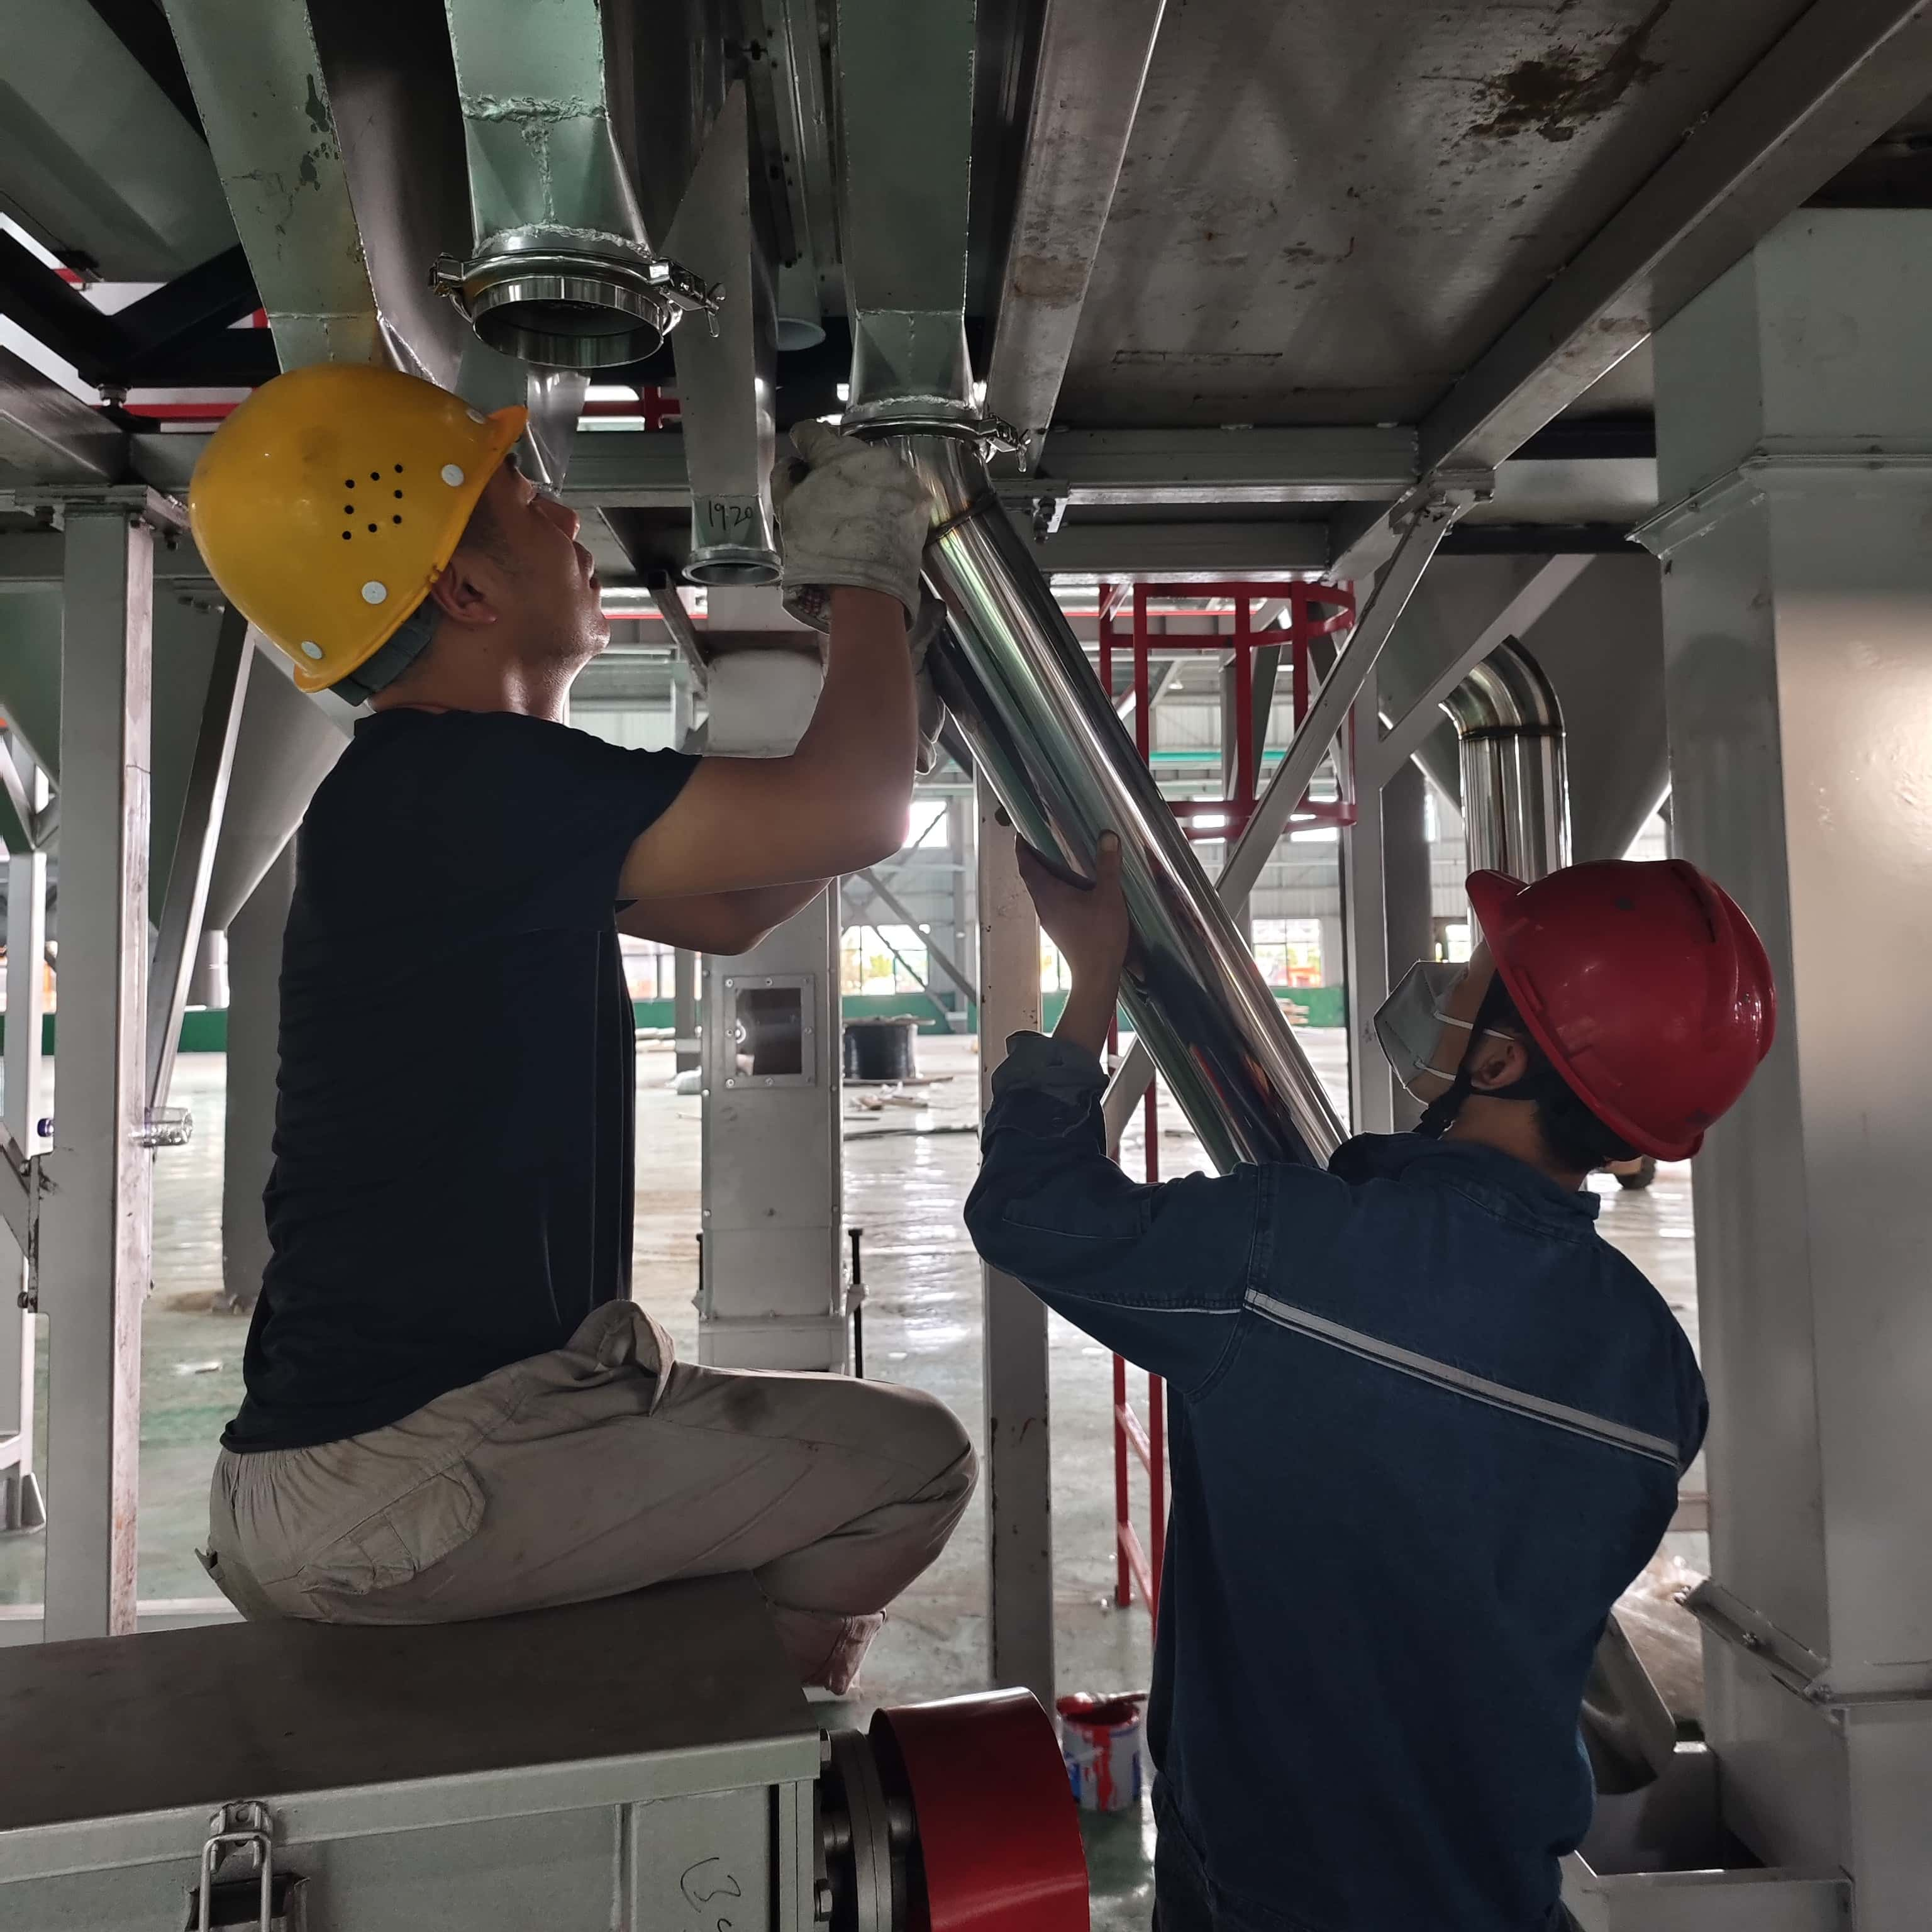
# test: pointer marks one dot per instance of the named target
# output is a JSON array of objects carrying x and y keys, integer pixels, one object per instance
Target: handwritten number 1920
[{"x": 731, "y": 515}]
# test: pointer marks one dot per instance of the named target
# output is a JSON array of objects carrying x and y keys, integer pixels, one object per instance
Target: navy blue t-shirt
[{"x": 452, "y": 1184}]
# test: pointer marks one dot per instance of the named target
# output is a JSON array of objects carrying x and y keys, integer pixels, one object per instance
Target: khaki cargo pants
[{"x": 602, "y": 1467}]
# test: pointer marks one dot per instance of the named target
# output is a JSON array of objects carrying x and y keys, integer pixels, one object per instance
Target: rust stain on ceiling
[{"x": 1555, "y": 94}]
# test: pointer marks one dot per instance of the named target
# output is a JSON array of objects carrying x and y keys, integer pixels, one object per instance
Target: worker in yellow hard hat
[{"x": 453, "y": 1409}]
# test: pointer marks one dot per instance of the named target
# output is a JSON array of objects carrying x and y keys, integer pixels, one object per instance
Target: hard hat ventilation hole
[
  {"x": 347, "y": 535},
  {"x": 372, "y": 529},
  {"x": 375, "y": 476},
  {"x": 399, "y": 470},
  {"x": 348, "y": 482},
  {"x": 395, "y": 520}
]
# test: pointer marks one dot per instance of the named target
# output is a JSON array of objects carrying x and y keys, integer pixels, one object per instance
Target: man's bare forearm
[{"x": 721, "y": 922}]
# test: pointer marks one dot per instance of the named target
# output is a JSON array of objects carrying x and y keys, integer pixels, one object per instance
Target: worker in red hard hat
[{"x": 1426, "y": 1425}]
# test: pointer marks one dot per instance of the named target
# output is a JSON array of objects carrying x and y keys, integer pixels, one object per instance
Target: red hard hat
[{"x": 1643, "y": 983}]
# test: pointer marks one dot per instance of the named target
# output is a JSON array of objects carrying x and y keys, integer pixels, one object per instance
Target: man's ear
[
  {"x": 465, "y": 590},
  {"x": 1498, "y": 1061}
]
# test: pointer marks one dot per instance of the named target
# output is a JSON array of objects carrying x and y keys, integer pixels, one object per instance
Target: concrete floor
[{"x": 907, "y": 1168}]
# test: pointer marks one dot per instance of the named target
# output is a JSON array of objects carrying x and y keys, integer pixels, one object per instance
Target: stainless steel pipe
[
  {"x": 1065, "y": 768},
  {"x": 1516, "y": 796}
]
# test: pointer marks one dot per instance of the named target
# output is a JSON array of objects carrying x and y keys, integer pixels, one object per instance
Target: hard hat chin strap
[
  {"x": 1439, "y": 1115},
  {"x": 391, "y": 657}
]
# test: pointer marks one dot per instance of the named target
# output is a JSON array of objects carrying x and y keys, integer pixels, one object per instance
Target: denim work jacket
[{"x": 1427, "y": 1426}]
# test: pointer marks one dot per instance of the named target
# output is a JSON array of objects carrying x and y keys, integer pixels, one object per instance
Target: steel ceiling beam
[
  {"x": 1219, "y": 466},
  {"x": 1093, "y": 56},
  {"x": 47, "y": 436},
  {"x": 1847, "y": 70},
  {"x": 56, "y": 314},
  {"x": 141, "y": 27},
  {"x": 207, "y": 297}
]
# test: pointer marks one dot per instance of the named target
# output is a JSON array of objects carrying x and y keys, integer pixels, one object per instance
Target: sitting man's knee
[{"x": 927, "y": 1434}]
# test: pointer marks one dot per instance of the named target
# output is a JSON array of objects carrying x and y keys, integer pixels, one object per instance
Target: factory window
[
  {"x": 649, "y": 968},
  {"x": 882, "y": 959},
  {"x": 1288, "y": 951}
]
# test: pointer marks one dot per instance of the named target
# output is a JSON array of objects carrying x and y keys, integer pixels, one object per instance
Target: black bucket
[{"x": 881, "y": 1049}]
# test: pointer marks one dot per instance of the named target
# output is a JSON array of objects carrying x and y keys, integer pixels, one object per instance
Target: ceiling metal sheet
[
  {"x": 95, "y": 160},
  {"x": 1327, "y": 212}
]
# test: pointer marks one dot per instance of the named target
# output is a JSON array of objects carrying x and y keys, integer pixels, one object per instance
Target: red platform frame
[{"x": 1138, "y": 1564}]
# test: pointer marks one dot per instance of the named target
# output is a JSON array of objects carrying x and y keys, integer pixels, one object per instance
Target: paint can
[{"x": 1100, "y": 1739}]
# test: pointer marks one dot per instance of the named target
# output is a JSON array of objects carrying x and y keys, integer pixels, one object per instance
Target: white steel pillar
[
  {"x": 1018, "y": 1476},
  {"x": 771, "y": 1283},
  {"x": 20, "y": 1504},
  {"x": 1365, "y": 922},
  {"x": 97, "y": 1228},
  {"x": 1794, "y": 410},
  {"x": 1406, "y": 893}
]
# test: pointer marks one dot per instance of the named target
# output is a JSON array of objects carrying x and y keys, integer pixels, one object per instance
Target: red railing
[{"x": 1313, "y": 611}]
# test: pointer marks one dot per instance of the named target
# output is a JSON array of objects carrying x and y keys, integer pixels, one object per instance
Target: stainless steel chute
[
  {"x": 561, "y": 272},
  {"x": 1066, "y": 770}
]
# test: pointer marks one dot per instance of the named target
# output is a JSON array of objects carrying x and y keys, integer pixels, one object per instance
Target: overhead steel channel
[{"x": 1092, "y": 63}]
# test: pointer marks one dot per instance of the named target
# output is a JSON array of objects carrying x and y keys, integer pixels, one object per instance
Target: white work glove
[{"x": 849, "y": 513}]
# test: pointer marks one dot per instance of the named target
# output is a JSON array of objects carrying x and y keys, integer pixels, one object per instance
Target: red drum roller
[{"x": 954, "y": 1817}]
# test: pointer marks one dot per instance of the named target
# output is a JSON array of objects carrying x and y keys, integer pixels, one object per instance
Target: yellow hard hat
[{"x": 329, "y": 501}]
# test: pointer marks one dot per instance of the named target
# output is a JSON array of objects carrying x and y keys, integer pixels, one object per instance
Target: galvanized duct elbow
[
  {"x": 1516, "y": 797},
  {"x": 562, "y": 273}
]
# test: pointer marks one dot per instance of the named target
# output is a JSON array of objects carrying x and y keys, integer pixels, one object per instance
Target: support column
[
  {"x": 772, "y": 1287},
  {"x": 1365, "y": 920},
  {"x": 1018, "y": 1481},
  {"x": 684, "y": 1009},
  {"x": 1794, "y": 405},
  {"x": 1407, "y": 892},
  {"x": 98, "y": 1227},
  {"x": 1231, "y": 765},
  {"x": 960, "y": 848},
  {"x": 20, "y": 1503},
  {"x": 254, "y": 1054}
]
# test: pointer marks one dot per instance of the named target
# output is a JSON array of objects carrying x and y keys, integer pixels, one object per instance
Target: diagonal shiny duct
[
  {"x": 1516, "y": 798},
  {"x": 562, "y": 271},
  {"x": 1029, "y": 702}
]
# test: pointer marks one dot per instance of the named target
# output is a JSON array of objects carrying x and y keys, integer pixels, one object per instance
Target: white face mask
[{"x": 1409, "y": 1024}]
